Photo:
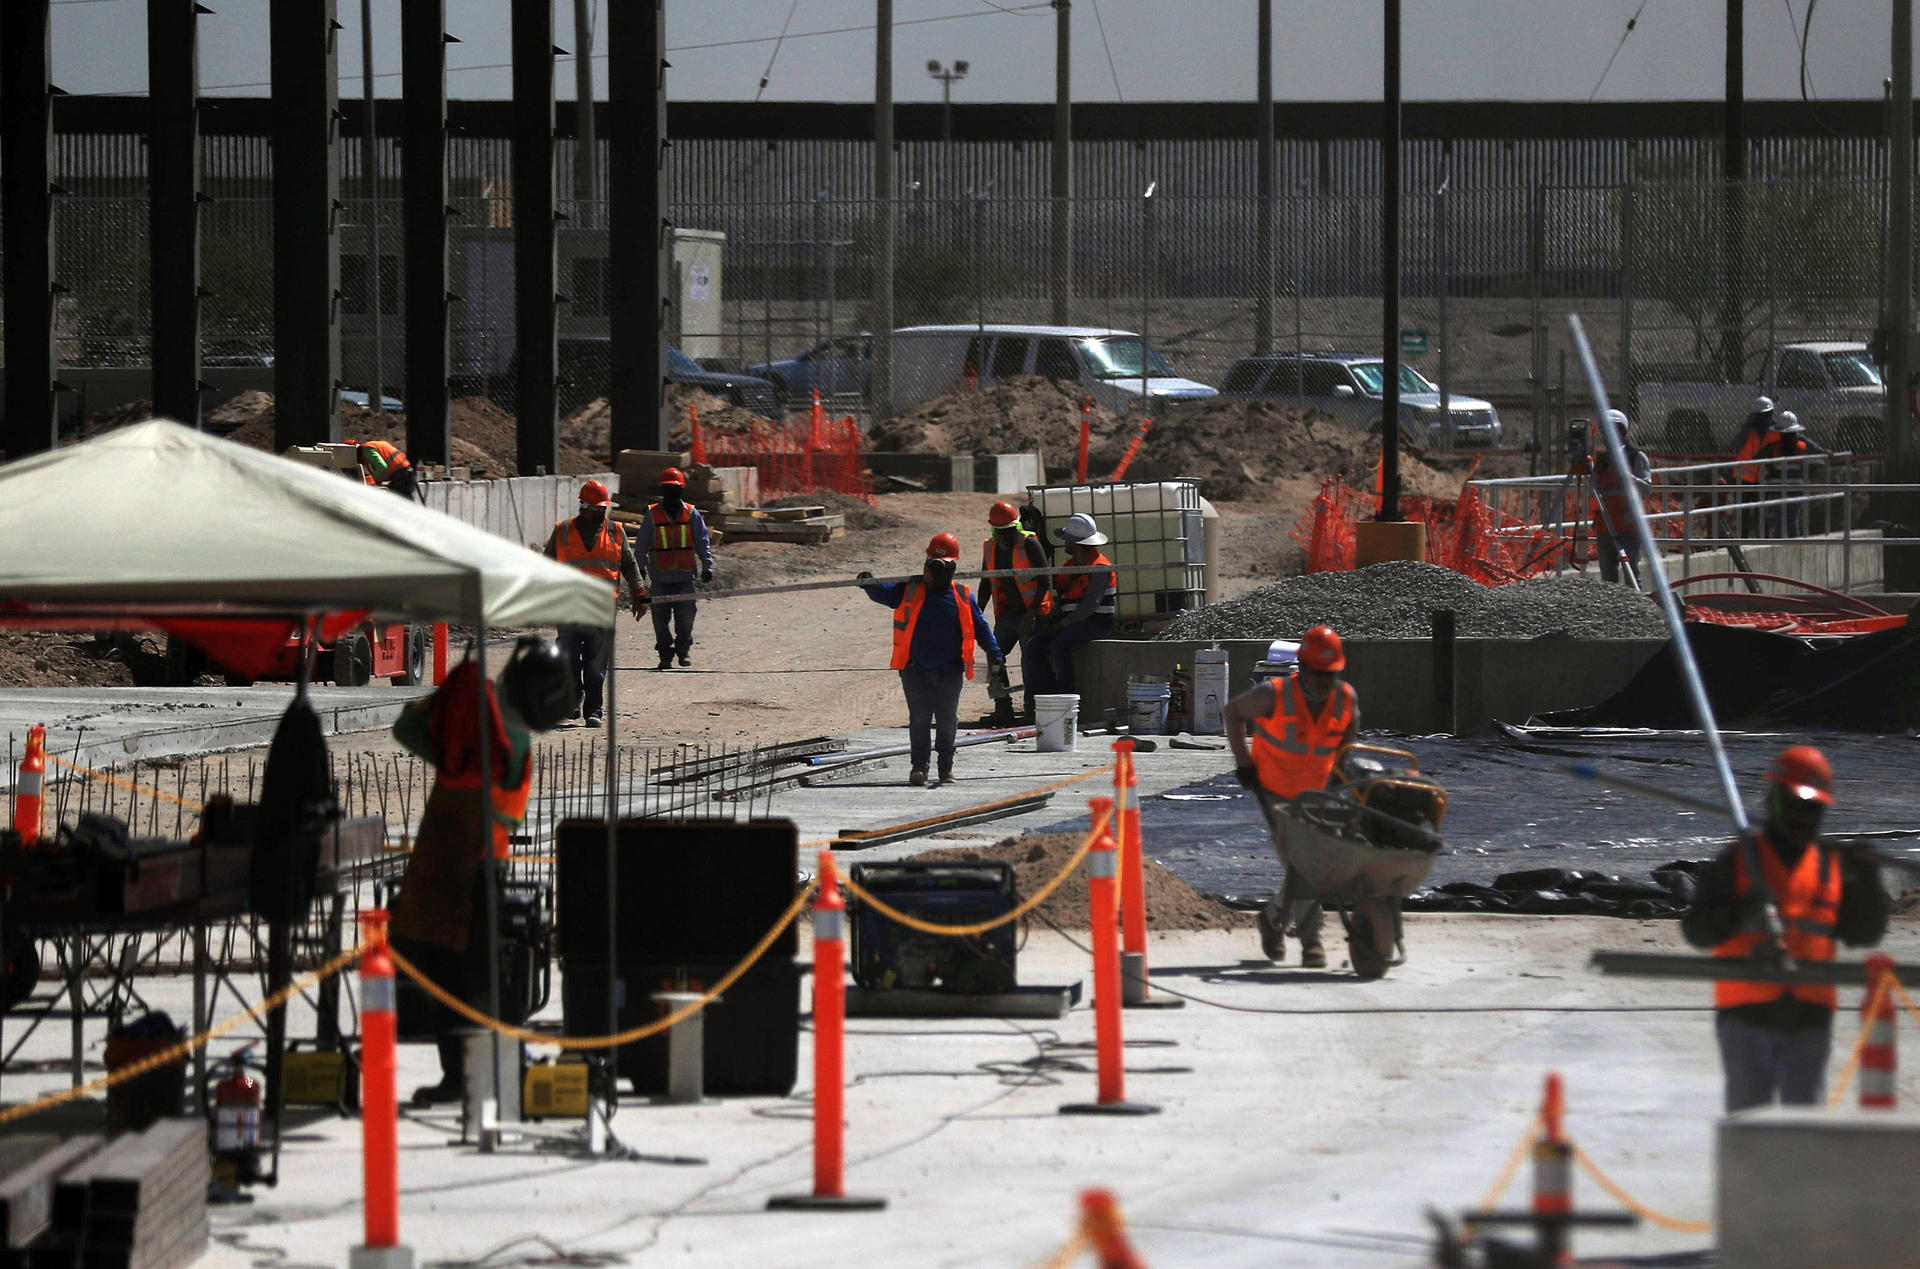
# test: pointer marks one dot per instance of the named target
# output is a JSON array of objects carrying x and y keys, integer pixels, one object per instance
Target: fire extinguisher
[
  {"x": 27, "y": 788},
  {"x": 236, "y": 1122}
]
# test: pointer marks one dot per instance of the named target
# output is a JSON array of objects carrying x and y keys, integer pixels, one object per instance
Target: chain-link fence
[{"x": 1697, "y": 295}]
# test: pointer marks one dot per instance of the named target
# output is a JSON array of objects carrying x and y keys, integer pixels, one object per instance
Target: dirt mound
[
  {"x": 1236, "y": 448},
  {"x": 119, "y": 416},
  {"x": 1015, "y": 416},
  {"x": 484, "y": 435},
  {"x": 1037, "y": 859},
  {"x": 858, "y": 514},
  {"x": 69, "y": 660},
  {"x": 586, "y": 429}
]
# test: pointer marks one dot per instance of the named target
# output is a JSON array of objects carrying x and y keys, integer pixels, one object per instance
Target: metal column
[
  {"x": 1263, "y": 272},
  {"x": 306, "y": 242},
  {"x": 1900, "y": 235},
  {"x": 26, "y": 200},
  {"x": 640, "y": 255},
  {"x": 173, "y": 207},
  {"x": 880, "y": 376},
  {"x": 536, "y": 324},
  {"x": 1060, "y": 227},
  {"x": 424, "y": 212},
  {"x": 1390, "y": 271}
]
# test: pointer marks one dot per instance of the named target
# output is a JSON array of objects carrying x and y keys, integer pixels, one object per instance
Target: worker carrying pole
[
  {"x": 1774, "y": 1037},
  {"x": 598, "y": 548},
  {"x": 937, "y": 623},
  {"x": 1286, "y": 735}
]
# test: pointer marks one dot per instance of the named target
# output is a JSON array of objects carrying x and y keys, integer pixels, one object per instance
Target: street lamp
[{"x": 946, "y": 75}]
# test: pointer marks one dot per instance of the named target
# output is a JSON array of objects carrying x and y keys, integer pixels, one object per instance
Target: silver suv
[{"x": 1347, "y": 386}]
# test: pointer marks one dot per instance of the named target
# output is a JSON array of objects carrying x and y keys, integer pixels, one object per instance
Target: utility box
[
  {"x": 1157, "y": 523},
  {"x": 1803, "y": 1187}
]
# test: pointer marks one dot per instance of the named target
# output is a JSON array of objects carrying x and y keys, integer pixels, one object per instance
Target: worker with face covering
[
  {"x": 678, "y": 551},
  {"x": 936, "y": 624},
  {"x": 598, "y": 548}
]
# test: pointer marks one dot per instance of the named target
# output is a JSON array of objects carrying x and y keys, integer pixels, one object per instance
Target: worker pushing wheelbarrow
[{"x": 1353, "y": 824}]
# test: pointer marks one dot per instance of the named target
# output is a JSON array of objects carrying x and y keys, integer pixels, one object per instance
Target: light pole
[{"x": 946, "y": 75}]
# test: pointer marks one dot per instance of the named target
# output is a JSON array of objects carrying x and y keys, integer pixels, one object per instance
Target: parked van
[{"x": 931, "y": 360}]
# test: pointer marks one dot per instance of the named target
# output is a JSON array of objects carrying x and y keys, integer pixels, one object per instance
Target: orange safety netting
[
  {"x": 1463, "y": 534},
  {"x": 794, "y": 458}
]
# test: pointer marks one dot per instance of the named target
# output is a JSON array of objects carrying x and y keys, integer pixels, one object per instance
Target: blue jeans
[
  {"x": 933, "y": 713},
  {"x": 1762, "y": 1063},
  {"x": 1006, "y": 633},
  {"x": 666, "y": 616},
  {"x": 1053, "y": 654},
  {"x": 586, "y": 653}
]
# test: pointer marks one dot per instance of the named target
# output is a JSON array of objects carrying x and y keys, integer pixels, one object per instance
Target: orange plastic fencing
[
  {"x": 819, "y": 454},
  {"x": 1463, "y": 534}
]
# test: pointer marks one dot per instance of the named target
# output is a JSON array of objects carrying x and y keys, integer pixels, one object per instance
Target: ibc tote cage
[{"x": 1147, "y": 523}]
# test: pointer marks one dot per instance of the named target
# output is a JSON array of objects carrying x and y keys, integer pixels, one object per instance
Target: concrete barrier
[
  {"x": 1861, "y": 566},
  {"x": 521, "y": 509},
  {"x": 1508, "y": 679},
  {"x": 1802, "y": 1187}
]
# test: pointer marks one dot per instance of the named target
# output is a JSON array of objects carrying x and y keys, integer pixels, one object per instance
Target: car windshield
[
  {"x": 681, "y": 364},
  {"x": 1372, "y": 374},
  {"x": 1851, "y": 370},
  {"x": 1119, "y": 358}
]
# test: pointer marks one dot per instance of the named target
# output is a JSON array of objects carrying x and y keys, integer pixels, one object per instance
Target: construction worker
[
  {"x": 677, "y": 552},
  {"x": 1286, "y": 735},
  {"x": 1615, "y": 538},
  {"x": 439, "y": 916},
  {"x": 383, "y": 463},
  {"x": 1789, "y": 440},
  {"x": 1757, "y": 434},
  {"x": 1774, "y": 1037},
  {"x": 596, "y": 546},
  {"x": 1082, "y": 610},
  {"x": 936, "y": 625},
  {"x": 1020, "y": 604}
]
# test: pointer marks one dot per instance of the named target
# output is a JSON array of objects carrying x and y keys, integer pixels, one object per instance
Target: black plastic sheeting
[
  {"x": 1513, "y": 813},
  {"x": 1860, "y": 683}
]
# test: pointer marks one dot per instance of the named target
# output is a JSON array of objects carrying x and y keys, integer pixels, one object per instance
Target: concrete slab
[
  {"x": 101, "y": 725},
  {"x": 1790, "y": 1188}
]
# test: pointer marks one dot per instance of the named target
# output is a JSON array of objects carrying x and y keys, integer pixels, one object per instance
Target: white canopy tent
[{"x": 207, "y": 523}]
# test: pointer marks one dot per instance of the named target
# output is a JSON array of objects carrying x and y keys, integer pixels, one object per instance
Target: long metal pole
[
  {"x": 306, "y": 241},
  {"x": 536, "y": 325},
  {"x": 173, "y": 239},
  {"x": 1690, "y": 680},
  {"x": 586, "y": 151},
  {"x": 1733, "y": 200},
  {"x": 26, "y": 185},
  {"x": 1060, "y": 236},
  {"x": 1390, "y": 272},
  {"x": 1446, "y": 349},
  {"x": 370, "y": 186},
  {"x": 489, "y": 865},
  {"x": 1263, "y": 167},
  {"x": 423, "y": 180},
  {"x": 1146, "y": 290},
  {"x": 1900, "y": 231},
  {"x": 880, "y": 375},
  {"x": 640, "y": 243}
]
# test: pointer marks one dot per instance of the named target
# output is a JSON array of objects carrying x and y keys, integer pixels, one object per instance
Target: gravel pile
[{"x": 1396, "y": 600}]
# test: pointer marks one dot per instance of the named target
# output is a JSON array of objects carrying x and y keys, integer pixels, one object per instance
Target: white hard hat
[
  {"x": 1789, "y": 422},
  {"x": 1619, "y": 419},
  {"x": 1080, "y": 530},
  {"x": 1763, "y": 405}
]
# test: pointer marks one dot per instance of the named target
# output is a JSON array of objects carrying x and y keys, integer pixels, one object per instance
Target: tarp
[{"x": 157, "y": 516}]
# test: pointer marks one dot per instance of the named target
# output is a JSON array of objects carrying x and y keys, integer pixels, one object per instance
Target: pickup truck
[{"x": 1834, "y": 387}]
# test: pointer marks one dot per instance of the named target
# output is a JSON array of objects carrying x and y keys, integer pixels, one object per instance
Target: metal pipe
[
  {"x": 1390, "y": 271},
  {"x": 1263, "y": 187},
  {"x": 894, "y": 751},
  {"x": 370, "y": 186},
  {"x": 1900, "y": 234}
]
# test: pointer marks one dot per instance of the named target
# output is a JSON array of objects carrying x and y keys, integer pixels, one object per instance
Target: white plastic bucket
[
  {"x": 1209, "y": 705},
  {"x": 1058, "y": 721},
  {"x": 1147, "y": 699}
]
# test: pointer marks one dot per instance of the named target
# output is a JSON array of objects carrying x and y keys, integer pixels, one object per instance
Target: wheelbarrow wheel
[{"x": 1370, "y": 938}]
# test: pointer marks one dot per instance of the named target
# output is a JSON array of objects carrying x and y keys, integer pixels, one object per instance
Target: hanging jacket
[
  {"x": 1026, "y": 552},
  {"x": 1293, "y": 749}
]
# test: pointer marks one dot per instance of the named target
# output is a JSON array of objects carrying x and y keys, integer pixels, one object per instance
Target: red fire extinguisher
[
  {"x": 28, "y": 786},
  {"x": 236, "y": 1121}
]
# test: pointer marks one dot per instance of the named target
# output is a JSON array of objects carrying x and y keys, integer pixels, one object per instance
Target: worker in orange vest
[
  {"x": 1083, "y": 608},
  {"x": 596, "y": 546},
  {"x": 1757, "y": 435},
  {"x": 384, "y": 463},
  {"x": 937, "y": 623},
  {"x": 1616, "y": 540},
  {"x": 1789, "y": 440},
  {"x": 677, "y": 550},
  {"x": 1019, "y": 604},
  {"x": 439, "y": 916},
  {"x": 1774, "y": 1038},
  {"x": 1286, "y": 734}
]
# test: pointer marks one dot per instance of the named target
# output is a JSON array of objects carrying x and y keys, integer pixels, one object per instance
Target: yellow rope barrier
[
  {"x": 1906, "y": 1001},
  {"x": 187, "y": 803},
  {"x": 1510, "y": 1168},
  {"x": 1860, "y": 1042},
  {"x": 175, "y": 1052},
  {"x": 981, "y": 927},
  {"x": 732, "y": 976},
  {"x": 1069, "y": 1251},
  {"x": 1634, "y": 1205}
]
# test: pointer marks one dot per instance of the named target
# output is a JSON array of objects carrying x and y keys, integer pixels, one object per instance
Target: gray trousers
[
  {"x": 668, "y": 616},
  {"x": 1763, "y": 1064},
  {"x": 1295, "y": 907},
  {"x": 933, "y": 713}
]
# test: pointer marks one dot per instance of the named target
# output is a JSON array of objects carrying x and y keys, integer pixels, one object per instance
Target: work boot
[
  {"x": 594, "y": 720},
  {"x": 917, "y": 776},
  {"x": 946, "y": 773},
  {"x": 1273, "y": 940},
  {"x": 1313, "y": 956},
  {"x": 685, "y": 660},
  {"x": 666, "y": 661}
]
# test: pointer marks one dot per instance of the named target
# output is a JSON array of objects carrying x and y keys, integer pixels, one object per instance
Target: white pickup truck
[{"x": 1833, "y": 387}]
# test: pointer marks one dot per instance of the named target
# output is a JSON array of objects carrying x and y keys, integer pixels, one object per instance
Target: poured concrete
[{"x": 1815, "y": 1187}]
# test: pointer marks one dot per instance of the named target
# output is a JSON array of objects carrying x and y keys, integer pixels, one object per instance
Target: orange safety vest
[
  {"x": 1610, "y": 495},
  {"x": 1293, "y": 750},
  {"x": 673, "y": 539},
  {"x": 1071, "y": 587},
  {"x": 600, "y": 559},
  {"x": 390, "y": 454},
  {"x": 1809, "y": 902},
  {"x": 1751, "y": 445},
  {"x": 1026, "y": 553},
  {"x": 907, "y": 615}
]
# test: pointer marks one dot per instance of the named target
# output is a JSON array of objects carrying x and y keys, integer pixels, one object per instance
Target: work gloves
[
  {"x": 999, "y": 685},
  {"x": 706, "y": 576}
]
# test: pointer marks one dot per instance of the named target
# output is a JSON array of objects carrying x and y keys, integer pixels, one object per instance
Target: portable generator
[
  {"x": 889, "y": 955},
  {"x": 557, "y": 1089}
]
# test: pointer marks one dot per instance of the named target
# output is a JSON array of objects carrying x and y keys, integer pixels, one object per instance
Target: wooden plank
[
  {"x": 26, "y": 1192},
  {"x": 159, "y": 1154}
]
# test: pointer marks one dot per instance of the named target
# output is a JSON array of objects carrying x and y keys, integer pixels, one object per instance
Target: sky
[{"x": 1123, "y": 50}]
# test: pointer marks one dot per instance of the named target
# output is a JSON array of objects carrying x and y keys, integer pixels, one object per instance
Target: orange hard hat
[
  {"x": 594, "y": 494},
  {"x": 1002, "y": 514},
  {"x": 673, "y": 476},
  {"x": 1804, "y": 772},
  {"x": 1321, "y": 649},
  {"x": 944, "y": 546}
]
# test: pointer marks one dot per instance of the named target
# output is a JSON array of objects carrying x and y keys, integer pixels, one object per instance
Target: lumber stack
[
  {"x": 784, "y": 524},
  {"x": 708, "y": 488},
  {"x": 138, "y": 1203}
]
